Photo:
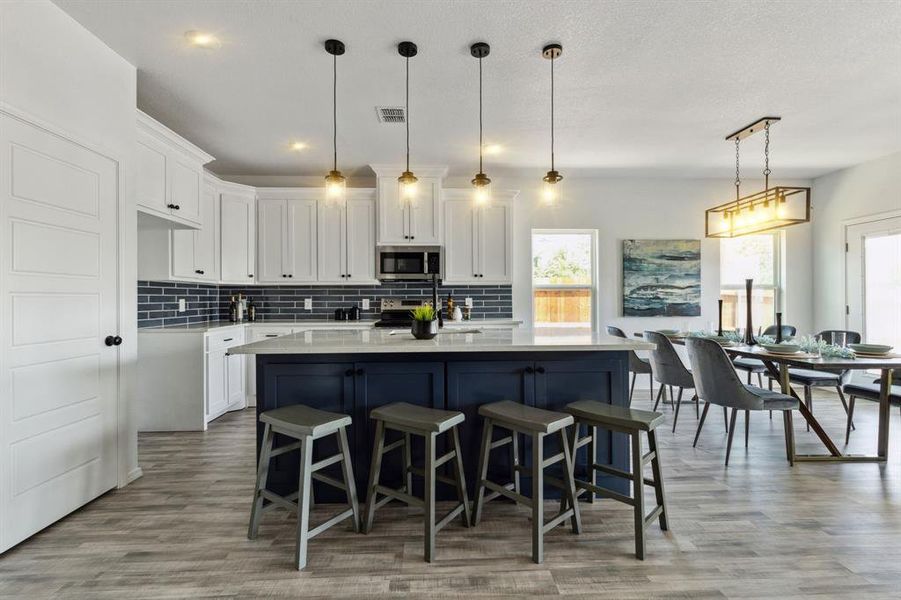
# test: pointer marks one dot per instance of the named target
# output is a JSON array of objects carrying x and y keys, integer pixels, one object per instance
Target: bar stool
[
  {"x": 631, "y": 422},
  {"x": 304, "y": 424},
  {"x": 538, "y": 424},
  {"x": 428, "y": 423}
]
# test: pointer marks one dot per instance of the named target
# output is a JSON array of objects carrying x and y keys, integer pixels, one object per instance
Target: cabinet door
[
  {"x": 393, "y": 226},
  {"x": 182, "y": 253},
  {"x": 332, "y": 247},
  {"x": 495, "y": 244},
  {"x": 360, "y": 245},
  {"x": 184, "y": 190},
  {"x": 237, "y": 225},
  {"x": 216, "y": 398},
  {"x": 425, "y": 215},
  {"x": 150, "y": 175},
  {"x": 473, "y": 383},
  {"x": 234, "y": 381},
  {"x": 271, "y": 217},
  {"x": 301, "y": 241},
  {"x": 460, "y": 256},
  {"x": 205, "y": 238}
]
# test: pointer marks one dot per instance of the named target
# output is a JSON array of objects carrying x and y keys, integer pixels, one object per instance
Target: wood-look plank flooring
[{"x": 757, "y": 529}]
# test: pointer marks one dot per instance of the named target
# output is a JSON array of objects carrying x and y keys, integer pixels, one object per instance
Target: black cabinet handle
[
  {"x": 360, "y": 371},
  {"x": 271, "y": 335},
  {"x": 228, "y": 339},
  {"x": 290, "y": 275},
  {"x": 250, "y": 275},
  {"x": 412, "y": 237},
  {"x": 539, "y": 369},
  {"x": 173, "y": 206},
  {"x": 348, "y": 274},
  {"x": 349, "y": 373},
  {"x": 343, "y": 275},
  {"x": 112, "y": 340},
  {"x": 283, "y": 275},
  {"x": 198, "y": 271},
  {"x": 406, "y": 237},
  {"x": 529, "y": 370}
]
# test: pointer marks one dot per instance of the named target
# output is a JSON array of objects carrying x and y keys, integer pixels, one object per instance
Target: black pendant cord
[
  {"x": 552, "y": 113},
  {"x": 480, "y": 114},
  {"x": 407, "y": 111},
  {"x": 335, "y": 109}
]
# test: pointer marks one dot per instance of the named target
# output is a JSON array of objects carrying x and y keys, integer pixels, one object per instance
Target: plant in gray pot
[{"x": 425, "y": 325}]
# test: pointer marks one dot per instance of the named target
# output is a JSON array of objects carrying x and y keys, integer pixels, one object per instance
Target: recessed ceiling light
[
  {"x": 202, "y": 39},
  {"x": 297, "y": 146},
  {"x": 493, "y": 149}
]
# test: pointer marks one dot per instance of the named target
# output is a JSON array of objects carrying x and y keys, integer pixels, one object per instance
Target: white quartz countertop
[
  {"x": 376, "y": 341},
  {"x": 368, "y": 324}
]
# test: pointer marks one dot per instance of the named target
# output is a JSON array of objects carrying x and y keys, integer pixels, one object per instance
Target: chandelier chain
[
  {"x": 737, "y": 173},
  {"x": 766, "y": 155}
]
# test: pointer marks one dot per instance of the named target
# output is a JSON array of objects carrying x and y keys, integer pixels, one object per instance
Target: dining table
[{"x": 778, "y": 365}]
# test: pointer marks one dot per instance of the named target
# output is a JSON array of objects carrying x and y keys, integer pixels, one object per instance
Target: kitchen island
[{"x": 353, "y": 372}]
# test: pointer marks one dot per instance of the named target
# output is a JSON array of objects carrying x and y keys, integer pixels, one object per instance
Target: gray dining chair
[
  {"x": 754, "y": 366},
  {"x": 637, "y": 365},
  {"x": 870, "y": 391},
  {"x": 669, "y": 370},
  {"x": 717, "y": 383}
]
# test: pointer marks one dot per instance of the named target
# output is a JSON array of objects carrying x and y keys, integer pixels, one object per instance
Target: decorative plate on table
[
  {"x": 668, "y": 331},
  {"x": 875, "y": 350},
  {"x": 781, "y": 348}
]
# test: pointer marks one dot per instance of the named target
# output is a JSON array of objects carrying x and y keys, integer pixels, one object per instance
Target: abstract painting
[{"x": 661, "y": 278}]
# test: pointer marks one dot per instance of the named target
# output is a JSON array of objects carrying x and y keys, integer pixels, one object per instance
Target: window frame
[
  {"x": 593, "y": 272},
  {"x": 777, "y": 284}
]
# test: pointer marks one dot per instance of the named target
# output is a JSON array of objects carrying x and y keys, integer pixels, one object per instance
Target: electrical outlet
[
  {"x": 468, "y": 302},
  {"x": 365, "y": 303},
  {"x": 308, "y": 304},
  {"x": 182, "y": 305}
]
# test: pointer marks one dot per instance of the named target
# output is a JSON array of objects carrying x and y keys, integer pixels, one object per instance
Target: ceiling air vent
[{"x": 390, "y": 114}]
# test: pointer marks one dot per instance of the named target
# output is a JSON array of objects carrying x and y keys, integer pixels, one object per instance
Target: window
[
  {"x": 750, "y": 257},
  {"x": 563, "y": 278}
]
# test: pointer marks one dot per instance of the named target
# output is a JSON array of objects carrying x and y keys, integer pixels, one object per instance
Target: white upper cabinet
[
  {"x": 399, "y": 223},
  {"x": 332, "y": 234},
  {"x": 347, "y": 240},
  {"x": 168, "y": 174},
  {"x": 301, "y": 240},
  {"x": 478, "y": 240},
  {"x": 237, "y": 234},
  {"x": 271, "y": 247},
  {"x": 287, "y": 235}
]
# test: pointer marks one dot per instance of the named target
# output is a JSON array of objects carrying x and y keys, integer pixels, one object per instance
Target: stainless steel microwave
[{"x": 409, "y": 262}]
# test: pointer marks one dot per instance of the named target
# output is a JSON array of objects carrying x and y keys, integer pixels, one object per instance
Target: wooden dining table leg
[{"x": 885, "y": 389}]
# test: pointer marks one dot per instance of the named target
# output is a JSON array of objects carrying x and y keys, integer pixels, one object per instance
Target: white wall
[
  {"x": 867, "y": 189},
  {"x": 644, "y": 209},
  {"x": 55, "y": 72}
]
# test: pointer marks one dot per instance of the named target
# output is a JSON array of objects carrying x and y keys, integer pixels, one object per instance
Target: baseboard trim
[{"x": 134, "y": 474}]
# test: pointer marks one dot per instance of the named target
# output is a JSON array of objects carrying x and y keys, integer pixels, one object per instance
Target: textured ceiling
[{"x": 643, "y": 88}]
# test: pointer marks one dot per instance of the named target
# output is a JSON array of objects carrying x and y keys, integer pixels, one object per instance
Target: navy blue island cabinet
[{"x": 355, "y": 384}]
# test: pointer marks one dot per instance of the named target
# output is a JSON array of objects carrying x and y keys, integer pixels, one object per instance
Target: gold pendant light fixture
[
  {"x": 407, "y": 179},
  {"x": 335, "y": 182},
  {"x": 480, "y": 183},
  {"x": 766, "y": 210},
  {"x": 550, "y": 193}
]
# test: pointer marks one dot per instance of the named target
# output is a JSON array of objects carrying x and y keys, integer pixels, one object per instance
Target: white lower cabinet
[{"x": 224, "y": 373}]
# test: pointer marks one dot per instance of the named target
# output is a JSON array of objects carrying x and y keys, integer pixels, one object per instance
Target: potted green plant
[{"x": 425, "y": 325}]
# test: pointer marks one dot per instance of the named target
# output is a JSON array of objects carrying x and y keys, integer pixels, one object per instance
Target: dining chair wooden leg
[
  {"x": 790, "y": 431},
  {"x": 701, "y": 423},
  {"x": 632, "y": 387},
  {"x": 850, "y": 416},
  {"x": 731, "y": 432},
  {"x": 808, "y": 400},
  {"x": 678, "y": 404},
  {"x": 651, "y": 383},
  {"x": 749, "y": 378},
  {"x": 697, "y": 407},
  {"x": 747, "y": 426},
  {"x": 760, "y": 380},
  {"x": 726, "y": 418},
  {"x": 841, "y": 396},
  {"x": 660, "y": 393},
  {"x": 672, "y": 396}
]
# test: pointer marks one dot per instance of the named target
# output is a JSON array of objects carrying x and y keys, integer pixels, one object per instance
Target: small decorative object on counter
[
  {"x": 749, "y": 326},
  {"x": 450, "y": 307},
  {"x": 353, "y": 313},
  {"x": 232, "y": 310},
  {"x": 425, "y": 325},
  {"x": 251, "y": 311},
  {"x": 467, "y": 313},
  {"x": 458, "y": 314},
  {"x": 778, "y": 327},
  {"x": 239, "y": 308},
  {"x": 340, "y": 314}
]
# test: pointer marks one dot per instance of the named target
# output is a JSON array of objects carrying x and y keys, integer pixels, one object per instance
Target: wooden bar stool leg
[
  {"x": 515, "y": 462},
  {"x": 429, "y": 500},
  {"x": 592, "y": 458},
  {"x": 638, "y": 495},
  {"x": 408, "y": 463},
  {"x": 568, "y": 480},
  {"x": 484, "y": 453},
  {"x": 537, "y": 498},
  {"x": 374, "y": 470},
  {"x": 303, "y": 502},
  {"x": 256, "y": 510},
  {"x": 348, "y": 471},
  {"x": 460, "y": 476},
  {"x": 657, "y": 472}
]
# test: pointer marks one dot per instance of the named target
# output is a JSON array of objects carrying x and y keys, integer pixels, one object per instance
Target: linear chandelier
[{"x": 766, "y": 210}]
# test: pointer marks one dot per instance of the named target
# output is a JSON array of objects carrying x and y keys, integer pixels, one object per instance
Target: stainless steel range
[{"x": 396, "y": 311}]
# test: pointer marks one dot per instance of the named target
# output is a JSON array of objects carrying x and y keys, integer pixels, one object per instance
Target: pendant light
[
  {"x": 335, "y": 182},
  {"x": 550, "y": 193},
  {"x": 480, "y": 183},
  {"x": 768, "y": 209},
  {"x": 407, "y": 179}
]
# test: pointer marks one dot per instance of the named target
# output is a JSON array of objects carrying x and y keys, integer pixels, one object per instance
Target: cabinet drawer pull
[
  {"x": 173, "y": 206},
  {"x": 271, "y": 335},
  {"x": 539, "y": 369},
  {"x": 198, "y": 271},
  {"x": 228, "y": 339},
  {"x": 529, "y": 370},
  {"x": 250, "y": 275}
]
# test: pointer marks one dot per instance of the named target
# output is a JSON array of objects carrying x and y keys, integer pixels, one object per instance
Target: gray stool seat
[
  {"x": 305, "y": 424},
  {"x": 411, "y": 420},
  {"x": 537, "y": 424},
  {"x": 419, "y": 418},
  {"x": 305, "y": 420},
  {"x": 631, "y": 422},
  {"x": 645, "y": 420},
  {"x": 526, "y": 418}
]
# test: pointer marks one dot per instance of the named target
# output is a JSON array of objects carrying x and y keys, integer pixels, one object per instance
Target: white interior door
[
  {"x": 58, "y": 301},
  {"x": 873, "y": 270}
]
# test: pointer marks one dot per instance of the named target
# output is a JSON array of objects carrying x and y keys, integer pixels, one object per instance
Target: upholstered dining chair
[
  {"x": 669, "y": 370},
  {"x": 752, "y": 365},
  {"x": 869, "y": 391},
  {"x": 637, "y": 365},
  {"x": 717, "y": 383}
]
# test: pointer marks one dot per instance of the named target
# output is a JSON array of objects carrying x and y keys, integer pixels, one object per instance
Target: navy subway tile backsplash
[{"x": 158, "y": 301}]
